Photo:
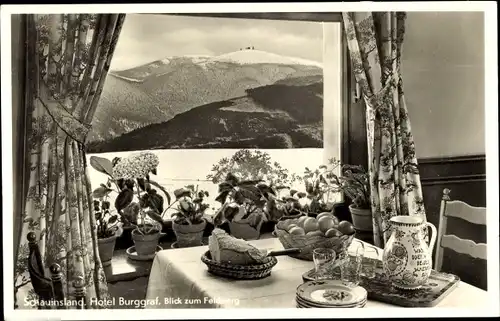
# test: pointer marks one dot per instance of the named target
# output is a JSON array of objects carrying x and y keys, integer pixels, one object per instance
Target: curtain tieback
[
  {"x": 377, "y": 100},
  {"x": 64, "y": 119}
]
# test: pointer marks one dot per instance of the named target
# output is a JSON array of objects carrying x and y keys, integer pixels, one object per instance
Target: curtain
[
  {"x": 68, "y": 59},
  {"x": 375, "y": 42}
]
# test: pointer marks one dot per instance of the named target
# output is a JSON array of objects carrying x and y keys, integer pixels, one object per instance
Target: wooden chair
[
  {"x": 50, "y": 290},
  {"x": 462, "y": 210}
]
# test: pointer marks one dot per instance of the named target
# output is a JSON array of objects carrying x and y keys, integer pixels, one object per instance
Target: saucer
[{"x": 132, "y": 254}]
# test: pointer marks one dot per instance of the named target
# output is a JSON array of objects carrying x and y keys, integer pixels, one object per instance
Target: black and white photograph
[{"x": 162, "y": 159}]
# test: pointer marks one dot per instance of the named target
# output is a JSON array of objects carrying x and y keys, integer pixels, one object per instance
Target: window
[{"x": 196, "y": 89}]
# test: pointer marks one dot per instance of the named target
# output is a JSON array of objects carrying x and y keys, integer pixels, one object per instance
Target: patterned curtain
[
  {"x": 68, "y": 60},
  {"x": 375, "y": 40}
]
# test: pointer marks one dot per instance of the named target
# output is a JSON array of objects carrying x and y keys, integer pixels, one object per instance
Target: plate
[
  {"x": 311, "y": 305},
  {"x": 299, "y": 306},
  {"x": 304, "y": 302},
  {"x": 332, "y": 293},
  {"x": 132, "y": 254}
]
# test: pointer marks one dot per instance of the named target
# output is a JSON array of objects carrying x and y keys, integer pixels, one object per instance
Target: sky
[{"x": 146, "y": 37}]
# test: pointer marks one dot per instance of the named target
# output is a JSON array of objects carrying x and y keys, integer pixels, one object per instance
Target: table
[{"x": 179, "y": 279}]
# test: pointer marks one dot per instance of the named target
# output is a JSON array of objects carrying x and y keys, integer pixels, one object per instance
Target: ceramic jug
[{"x": 407, "y": 259}]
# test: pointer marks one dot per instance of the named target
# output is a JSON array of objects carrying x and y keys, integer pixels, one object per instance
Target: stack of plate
[{"x": 330, "y": 294}]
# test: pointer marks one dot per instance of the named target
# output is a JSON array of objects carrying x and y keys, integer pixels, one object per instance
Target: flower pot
[
  {"x": 125, "y": 241},
  {"x": 361, "y": 218},
  {"x": 190, "y": 234},
  {"x": 106, "y": 248},
  {"x": 243, "y": 230},
  {"x": 145, "y": 244}
]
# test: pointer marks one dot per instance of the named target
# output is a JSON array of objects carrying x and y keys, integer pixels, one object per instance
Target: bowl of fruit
[{"x": 308, "y": 233}]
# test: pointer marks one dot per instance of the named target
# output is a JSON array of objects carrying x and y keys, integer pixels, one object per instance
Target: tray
[{"x": 380, "y": 289}]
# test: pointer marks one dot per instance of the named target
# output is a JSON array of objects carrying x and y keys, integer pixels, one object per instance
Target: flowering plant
[
  {"x": 131, "y": 176},
  {"x": 191, "y": 207},
  {"x": 251, "y": 165}
]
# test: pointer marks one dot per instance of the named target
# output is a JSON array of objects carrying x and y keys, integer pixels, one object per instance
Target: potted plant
[
  {"x": 133, "y": 179},
  {"x": 355, "y": 183},
  {"x": 188, "y": 223},
  {"x": 320, "y": 184},
  {"x": 126, "y": 203},
  {"x": 108, "y": 228},
  {"x": 243, "y": 205},
  {"x": 254, "y": 165}
]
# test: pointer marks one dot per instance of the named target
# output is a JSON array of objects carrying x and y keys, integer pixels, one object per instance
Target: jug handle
[{"x": 433, "y": 236}]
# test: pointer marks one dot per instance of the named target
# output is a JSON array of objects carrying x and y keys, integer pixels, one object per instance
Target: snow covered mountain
[
  {"x": 158, "y": 91},
  {"x": 252, "y": 56}
]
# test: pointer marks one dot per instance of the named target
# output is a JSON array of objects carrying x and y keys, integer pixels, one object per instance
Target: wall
[{"x": 443, "y": 74}]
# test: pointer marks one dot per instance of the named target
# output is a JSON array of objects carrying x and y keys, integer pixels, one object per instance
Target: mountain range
[{"x": 243, "y": 99}]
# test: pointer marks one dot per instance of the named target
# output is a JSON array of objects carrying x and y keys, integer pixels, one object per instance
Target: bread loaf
[{"x": 228, "y": 249}]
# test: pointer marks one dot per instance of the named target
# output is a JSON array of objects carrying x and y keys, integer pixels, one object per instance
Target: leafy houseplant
[
  {"x": 243, "y": 204},
  {"x": 188, "y": 223},
  {"x": 108, "y": 228},
  {"x": 355, "y": 183},
  {"x": 320, "y": 184},
  {"x": 132, "y": 175}
]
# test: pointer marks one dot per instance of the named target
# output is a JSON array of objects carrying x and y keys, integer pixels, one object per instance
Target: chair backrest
[
  {"x": 462, "y": 210},
  {"x": 47, "y": 291},
  {"x": 50, "y": 290},
  {"x": 80, "y": 289}
]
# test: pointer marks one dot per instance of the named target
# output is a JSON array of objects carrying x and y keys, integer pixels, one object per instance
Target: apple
[
  {"x": 301, "y": 221},
  {"x": 315, "y": 233},
  {"x": 325, "y": 223},
  {"x": 297, "y": 231},
  {"x": 310, "y": 224},
  {"x": 346, "y": 228},
  {"x": 320, "y": 215},
  {"x": 333, "y": 232}
]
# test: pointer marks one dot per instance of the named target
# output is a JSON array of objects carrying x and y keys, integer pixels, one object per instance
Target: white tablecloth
[{"x": 179, "y": 279}]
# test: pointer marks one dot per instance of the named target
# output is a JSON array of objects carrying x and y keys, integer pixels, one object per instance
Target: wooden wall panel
[{"x": 465, "y": 176}]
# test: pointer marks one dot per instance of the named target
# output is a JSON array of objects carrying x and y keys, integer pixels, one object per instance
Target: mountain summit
[{"x": 252, "y": 56}]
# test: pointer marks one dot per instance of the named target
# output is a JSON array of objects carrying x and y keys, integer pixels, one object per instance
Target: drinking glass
[
  {"x": 370, "y": 262},
  {"x": 323, "y": 258},
  {"x": 350, "y": 268}
]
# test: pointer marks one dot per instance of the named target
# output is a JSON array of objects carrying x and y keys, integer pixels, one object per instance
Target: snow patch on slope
[{"x": 252, "y": 56}]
